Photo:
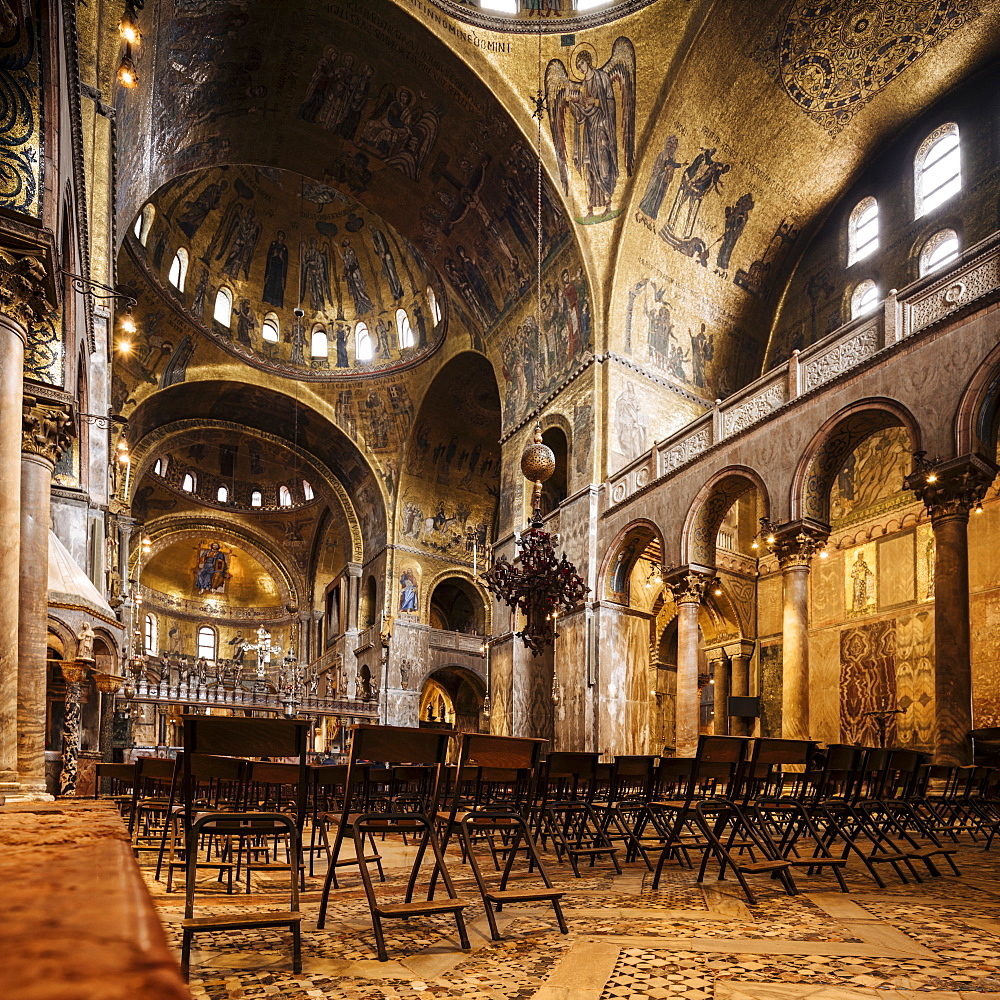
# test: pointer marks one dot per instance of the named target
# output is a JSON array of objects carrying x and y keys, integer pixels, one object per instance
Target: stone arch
[
  {"x": 833, "y": 442},
  {"x": 698, "y": 536},
  {"x": 483, "y": 607},
  {"x": 977, "y": 419},
  {"x": 635, "y": 540},
  {"x": 462, "y": 691}
]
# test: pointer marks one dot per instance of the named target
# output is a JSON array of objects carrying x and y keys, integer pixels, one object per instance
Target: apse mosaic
[
  {"x": 527, "y": 16},
  {"x": 21, "y": 117},
  {"x": 832, "y": 59}
]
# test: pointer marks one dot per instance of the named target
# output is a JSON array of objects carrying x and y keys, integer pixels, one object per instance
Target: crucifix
[{"x": 264, "y": 650}]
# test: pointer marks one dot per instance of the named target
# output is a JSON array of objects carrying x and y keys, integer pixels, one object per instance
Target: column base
[{"x": 27, "y": 795}]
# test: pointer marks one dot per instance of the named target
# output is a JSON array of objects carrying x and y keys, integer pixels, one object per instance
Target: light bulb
[
  {"x": 932, "y": 478},
  {"x": 127, "y": 76},
  {"x": 128, "y": 29},
  {"x": 824, "y": 554},
  {"x": 125, "y": 346},
  {"x": 771, "y": 539},
  {"x": 128, "y": 324}
]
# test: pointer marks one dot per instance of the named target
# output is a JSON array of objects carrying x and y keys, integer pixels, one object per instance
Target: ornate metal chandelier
[{"x": 537, "y": 583}]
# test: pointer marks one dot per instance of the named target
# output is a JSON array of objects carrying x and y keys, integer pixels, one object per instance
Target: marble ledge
[{"x": 75, "y": 917}]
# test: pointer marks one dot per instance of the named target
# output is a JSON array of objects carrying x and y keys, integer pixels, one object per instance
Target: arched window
[
  {"x": 178, "y": 269},
  {"x": 862, "y": 230},
  {"x": 403, "y": 326},
  {"x": 307, "y": 490},
  {"x": 937, "y": 169},
  {"x": 144, "y": 223},
  {"x": 223, "y": 307},
  {"x": 223, "y": 495},
  {"x": 939, "y": 251},
  {"x": 188, "y": 483},
  {"x": 207, "y": 642},
  {"x": 149, "y": 635},
  {"x": 158, "y": 467},
  {"x": 320, "y": 347},
  {"x": 864, "y": 298},
  {"x": 433, "y": 303},
  {"x": 270, "y": 329},
  {"x": 256, "y": 499},
  {"x": 284, "y": 496},
  {"x": 363, "y": 350}
]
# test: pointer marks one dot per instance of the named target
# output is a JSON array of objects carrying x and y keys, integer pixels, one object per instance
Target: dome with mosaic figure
[{"x": 289, "y": 274}]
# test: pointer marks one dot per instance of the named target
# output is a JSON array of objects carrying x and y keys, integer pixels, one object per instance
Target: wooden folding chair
[
  {"x": 221, "y": 736},
  {"x": 493, "y": 793},
  {"x": 414, "y": 747}
]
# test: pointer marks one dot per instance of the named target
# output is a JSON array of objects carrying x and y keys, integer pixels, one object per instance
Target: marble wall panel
[
  {"x": 769, "y": 597},
  {"x": 502, "y": 689},
  {"x": 826, "y": 580},
  {"x": 896, "y": 578},
  {"x": 867, "y": 680},
  {"x": 403, "y": 708},
  {"x": 984, "y": 615},
  {"x": 612, "y": 681},
  {"x": 984, "y": 567},
  {"x": 925, "y": 562},
  {"x": 573, "y": 694},
  {"x": 915, "y": 679},
  {"x": 824, "y": 685},
  {"x": 770, "y": 689}
]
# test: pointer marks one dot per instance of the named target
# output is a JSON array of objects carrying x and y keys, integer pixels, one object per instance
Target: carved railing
[
  {"x": 901, "y": 315},
  {"x": 247, "y": 695},
  {"x": 462, "y": 642}
]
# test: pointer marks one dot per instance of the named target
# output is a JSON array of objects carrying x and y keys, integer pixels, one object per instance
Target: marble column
[
  {"x": 12, "y": 338},
  {"x": 353, "y": 596},
  {"x": 46, "y": 434},
  {"x": 739, "y": 654},
  {"x": 721, "y": 680},
  {"x": 795, "y": 546},
  {"x": 22, "y": 294},
  {"x": 688, "y": 588},
  {"x": 950, "y": 491}
]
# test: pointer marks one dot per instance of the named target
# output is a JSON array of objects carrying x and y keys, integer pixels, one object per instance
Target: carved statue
[{"x": 85, "y": 642}]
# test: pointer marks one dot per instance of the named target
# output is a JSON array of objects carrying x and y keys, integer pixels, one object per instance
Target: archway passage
[
  {"x": 452, "y": 698},
  {"x": 456, "y": 606}
]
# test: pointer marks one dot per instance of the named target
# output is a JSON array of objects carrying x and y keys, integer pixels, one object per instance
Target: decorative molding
[
  {"x": 755, "y": 409},
  {"x": 46, "y": 430},
  {"x": 798, "y": 541},
  {"x": 692, "y": 446},
  {"x": 22, "y": 289},
  {"x": 956, "y": 291},
  {"x": 952, "y": 489},
  {"x": 688, "y": 586},
  {"x": 842, "y": 357}
]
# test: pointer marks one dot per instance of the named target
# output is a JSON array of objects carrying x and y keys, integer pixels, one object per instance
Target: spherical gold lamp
[{"x": 538, "y": 462}]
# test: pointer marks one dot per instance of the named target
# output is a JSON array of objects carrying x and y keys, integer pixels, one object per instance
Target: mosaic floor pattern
[{"x": 684, "y": 940}]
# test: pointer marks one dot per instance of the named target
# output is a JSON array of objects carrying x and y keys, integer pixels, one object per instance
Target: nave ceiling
[{"x": 736, "y": 128}]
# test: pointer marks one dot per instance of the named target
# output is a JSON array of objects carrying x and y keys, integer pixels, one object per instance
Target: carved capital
[
  {"x": 46, "y": 429},
  {"x": 953, "y": 488},
  {"x": 22, "y": 289},
  {"x": 688, "y": 586},
  {"x": 797, "y": 542}
]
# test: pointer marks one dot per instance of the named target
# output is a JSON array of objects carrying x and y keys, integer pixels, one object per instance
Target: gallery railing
[{"x": 907, "y": 314}]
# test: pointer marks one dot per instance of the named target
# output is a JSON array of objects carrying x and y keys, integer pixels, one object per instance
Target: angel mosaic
[
  {"x": 589, "y": 107},
  {"x": 240, "y": 233}
]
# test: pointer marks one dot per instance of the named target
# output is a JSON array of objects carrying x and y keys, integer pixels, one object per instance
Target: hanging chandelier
[{"x": 537, "y": 583}]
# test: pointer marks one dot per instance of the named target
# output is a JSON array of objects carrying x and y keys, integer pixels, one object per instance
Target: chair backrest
[
  {"x": 120, "y": 778},
  {"x": 497, "y": 771},
  {"x": 399, "y": 744},
  {"x": 718, "y": 767},
  {"x": 223, "y": 736},
  {"x": 765, "y": 773},
  {"x": 632, "y": 777}
]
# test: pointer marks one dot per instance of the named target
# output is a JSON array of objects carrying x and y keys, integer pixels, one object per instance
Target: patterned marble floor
[{"x": 685, "y": 940}]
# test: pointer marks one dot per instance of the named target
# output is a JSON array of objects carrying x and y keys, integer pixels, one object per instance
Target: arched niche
[
  {"x": 833, "y": 443},
  {"x": 456, "y": 605},
  {"x": 714, "y": 506}
]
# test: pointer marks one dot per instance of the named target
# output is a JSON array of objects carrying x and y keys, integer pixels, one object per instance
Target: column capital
[
  {"x": 46, "y": 428},
  {"x": 953, "y": 488},
  {"x": 796, "y": 542},
  {"x": 688, "y": 586},
  {"x": 742, "y": 647},
  {"x": 22, "y": 289}
]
